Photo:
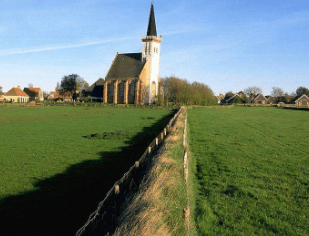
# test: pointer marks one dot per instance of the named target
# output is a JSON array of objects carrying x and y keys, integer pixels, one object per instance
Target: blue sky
[{"x": 228, "y": 45}]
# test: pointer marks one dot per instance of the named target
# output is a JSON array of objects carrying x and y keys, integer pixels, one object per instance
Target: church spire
[{"x": 152, "y": 29}]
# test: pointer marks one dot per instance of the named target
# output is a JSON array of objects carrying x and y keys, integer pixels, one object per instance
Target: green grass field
[
  {"x": 252, "y": 169},
  {"x": 54, "y": 173}
]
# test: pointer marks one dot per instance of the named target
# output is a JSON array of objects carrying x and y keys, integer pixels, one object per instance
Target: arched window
[
  {"x": 110, "y": 92},
  {"x": 132, "y": 89}
]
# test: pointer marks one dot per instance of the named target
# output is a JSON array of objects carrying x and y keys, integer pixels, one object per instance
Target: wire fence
[{"x": 104, "y": 219}]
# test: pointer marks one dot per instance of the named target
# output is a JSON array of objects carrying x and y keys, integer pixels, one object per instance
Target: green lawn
[
  {"x": 252, "y": 170},
  {"x": 53, "y": 175}
]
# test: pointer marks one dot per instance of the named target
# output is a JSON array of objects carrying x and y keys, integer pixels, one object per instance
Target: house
[
  {"x": 300, "y": 100},
  {"x": 220, "y": 98},
  {"x": 15, "y": 94},
  {"x": 133, "y": 77},
  {"x": 56, "y": 96},
  {"x": 34, "y": 94},
  {"x": 234, "y": 99},
  {"x": 270, "y": 99},
  {"x": 259, "y": 99},
  {"x": 96, "y": 91}
]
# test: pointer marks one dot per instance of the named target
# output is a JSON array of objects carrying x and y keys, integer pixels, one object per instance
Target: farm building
[
  {"x": 133, "y": 77},
  {"x": 54, "y": 95},
  {"x": 302, "y": 100},
  {"x": 15, "y": 94},
  {"x": 235, "y": 99},
  {"x": 259, "y": 99},
  {"x": 95, "y": 91},
  {"x": 34, "y": 93}
]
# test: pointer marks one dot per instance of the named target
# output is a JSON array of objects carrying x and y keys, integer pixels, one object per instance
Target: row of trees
[{"x": 181, "y": 92}]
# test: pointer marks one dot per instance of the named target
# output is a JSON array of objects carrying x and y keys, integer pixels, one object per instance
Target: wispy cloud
[{"x": 59, "y": 47}]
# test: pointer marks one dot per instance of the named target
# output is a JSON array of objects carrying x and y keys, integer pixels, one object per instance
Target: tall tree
[
  {"x": 302, "y": 90},
  {"x": 277, "y": 93},
  {"x": 254, "y": 90},
  {"x": 1, "y": 90},
  {"x": 69, "y": 85}
]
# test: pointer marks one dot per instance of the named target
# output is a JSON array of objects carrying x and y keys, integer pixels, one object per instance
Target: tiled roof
[
  {"x": 97, "y": 83},
  {"x": 258, "y": 95},
  {"x": 126, "y": 66},
  {"x": 16, "y": 92},
  {"x": 32, "y": 92},
  {"x": 297, "y": 97}
]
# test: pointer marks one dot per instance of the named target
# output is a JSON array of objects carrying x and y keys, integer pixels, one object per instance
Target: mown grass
[
  {"x": 252, "y": 169},
  {"x": 53, "y": 174}
]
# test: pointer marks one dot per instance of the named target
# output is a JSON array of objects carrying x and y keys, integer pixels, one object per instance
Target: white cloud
[{"x": 58, "y": 47}]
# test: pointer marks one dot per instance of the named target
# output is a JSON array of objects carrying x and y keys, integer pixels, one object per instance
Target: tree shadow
[{"x": 62, "y": 203}]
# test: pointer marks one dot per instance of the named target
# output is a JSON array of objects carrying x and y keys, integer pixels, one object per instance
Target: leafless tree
[
  {"x": 46, "y": 95},
  {"x": 254, "y": 90},
  {"x": 277, "y": 93}
]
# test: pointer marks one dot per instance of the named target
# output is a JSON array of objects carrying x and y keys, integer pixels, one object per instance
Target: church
[{"x": 133, "y": 78}]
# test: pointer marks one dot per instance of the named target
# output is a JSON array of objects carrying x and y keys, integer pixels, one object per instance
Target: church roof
[
  {"x": 152, "y": 29},
  {"x": 127, "y": 65}
]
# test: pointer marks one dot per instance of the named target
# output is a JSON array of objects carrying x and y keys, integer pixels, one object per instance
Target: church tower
[{"x": 151, "y": 54}]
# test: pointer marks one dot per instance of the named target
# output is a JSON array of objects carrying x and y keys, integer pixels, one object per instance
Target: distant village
[
  {"x": 82, "y": 92},
  {"x": 254, "y": 95}
]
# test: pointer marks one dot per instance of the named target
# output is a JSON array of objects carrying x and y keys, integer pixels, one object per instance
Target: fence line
[
  {"x": 186, "y": 211},
  {"x": 104, "y": 218}
]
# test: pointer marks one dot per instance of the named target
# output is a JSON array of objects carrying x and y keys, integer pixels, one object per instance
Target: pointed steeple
[{"x": 152, "y": 29}]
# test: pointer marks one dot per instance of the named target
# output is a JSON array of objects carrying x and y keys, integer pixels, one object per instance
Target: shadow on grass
[{"x": 63, "y": 203}]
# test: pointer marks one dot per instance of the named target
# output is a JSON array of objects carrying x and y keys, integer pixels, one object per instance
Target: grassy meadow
[
  {"x": 57, "y": 163},
  {"x": 252, "y": 170}
]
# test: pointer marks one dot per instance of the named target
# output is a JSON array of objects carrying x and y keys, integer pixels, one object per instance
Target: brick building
[{"x": 133, "y": 77}]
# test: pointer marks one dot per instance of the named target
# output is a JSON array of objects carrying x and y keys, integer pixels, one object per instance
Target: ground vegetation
[{"x": 252, "y": 170}]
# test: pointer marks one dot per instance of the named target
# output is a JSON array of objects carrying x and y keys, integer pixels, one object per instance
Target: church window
[
  {"x": 148, "y": 50},
  {"x": 121, "y": 89},
  {"x": 111, "y": 89},
  {"x": 132, "y": 89}
]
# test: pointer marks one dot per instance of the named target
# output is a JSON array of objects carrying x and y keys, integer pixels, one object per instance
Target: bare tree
[
  {"x": 46, "y": 95},
  {"x": 254, "y": 90},
  {"x": 277, "y": 93},
  {"x": 81, "y": 85}
]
